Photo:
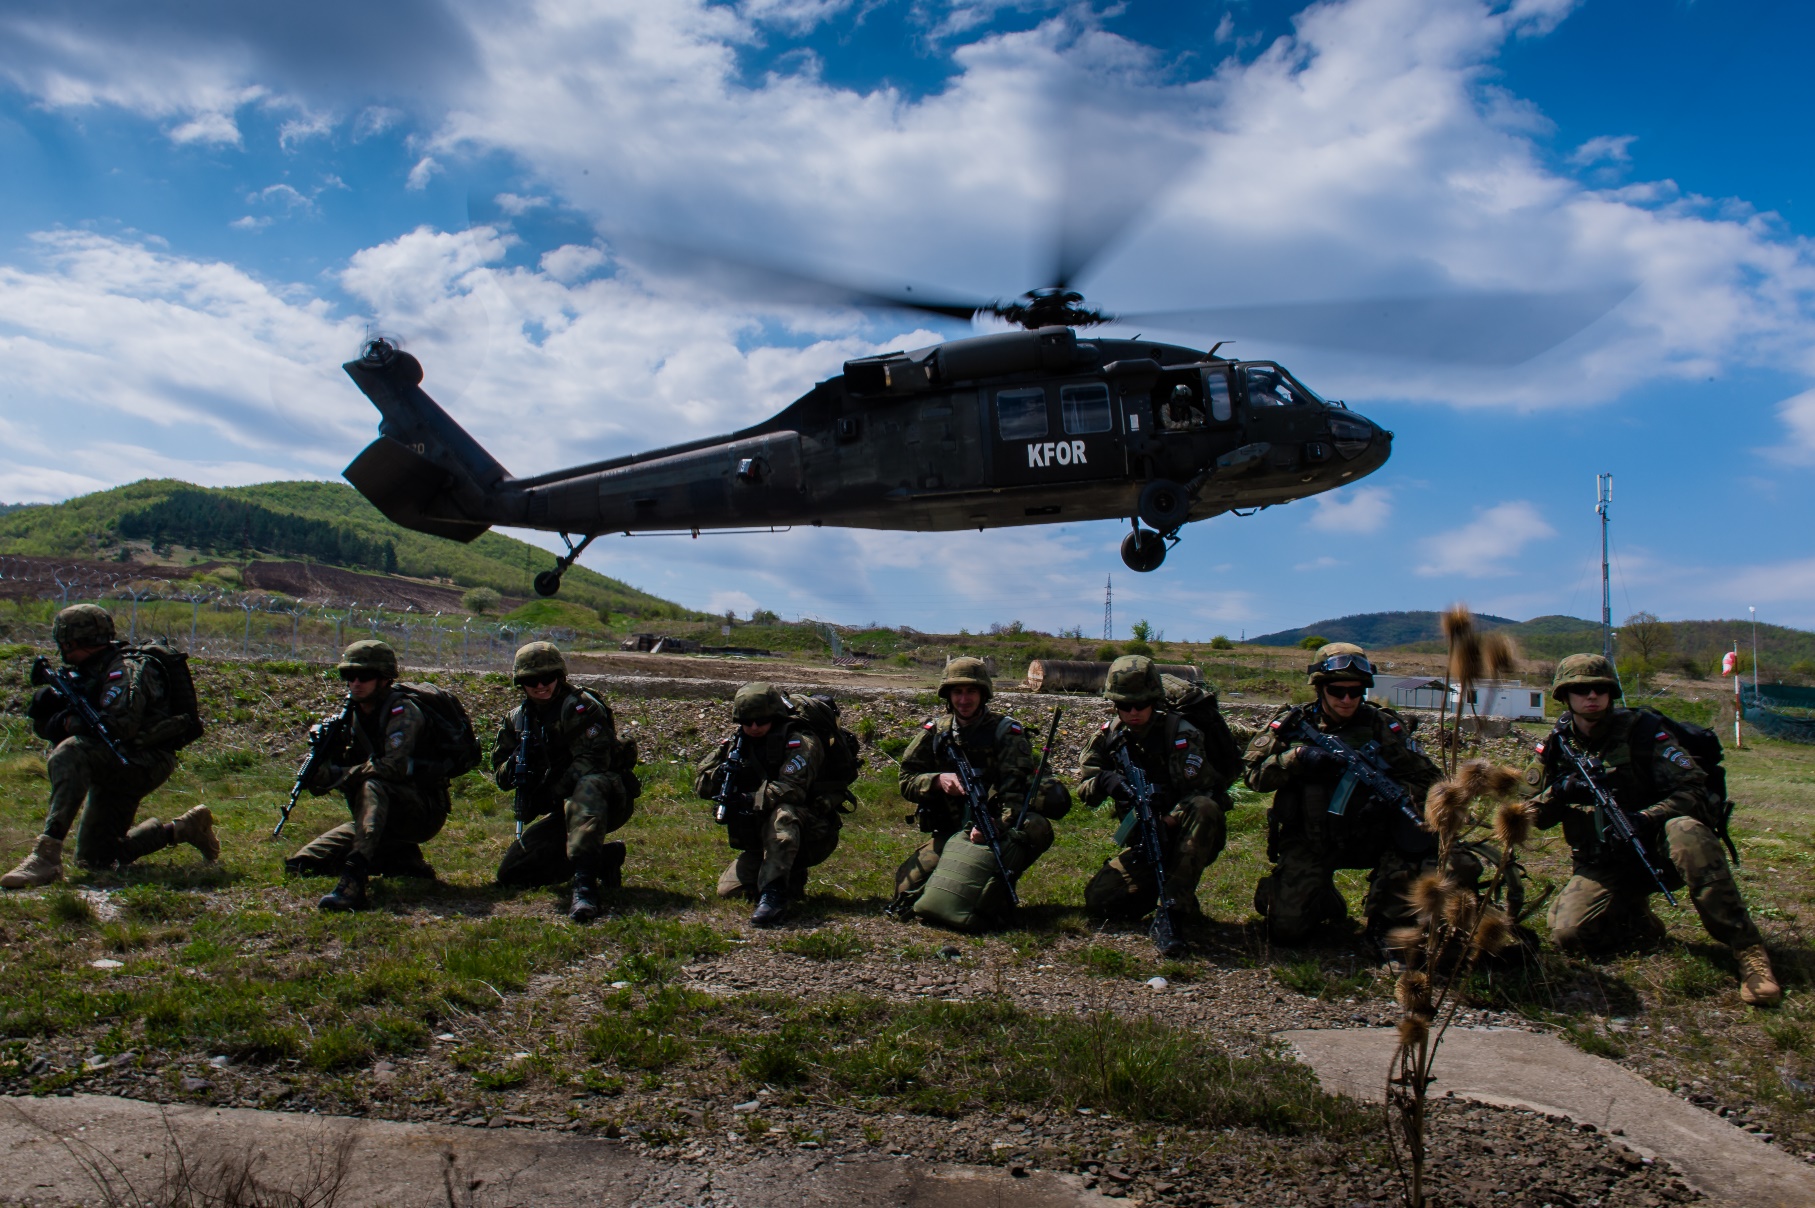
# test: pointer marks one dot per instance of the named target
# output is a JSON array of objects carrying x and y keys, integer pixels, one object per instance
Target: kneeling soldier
[
  {"x": 998, "y": 750},
  {"x": 778, "y": 814},
  {"x": 398, "y": 801},
  {"x": 1665, "y": 795},
  {"x": 1170, "y": 752},
  {"x": 559, "y": 751},
  {"x": 1313, "y": 828},
  {"x": 128, "y": 694}
]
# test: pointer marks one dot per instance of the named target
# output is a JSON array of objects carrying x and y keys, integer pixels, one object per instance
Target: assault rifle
[
  {"x": 524, "y": 777},
  {"x": 1607, "y": 810},
  {"x": 326, "y": 736},
  {"x": 977, "y": 810},
  {"x": 730, "y": 772},
  {"x": 1033, "y": 786},
  {"x": 66, "y": 685},
  {"x": 1363, "y": 766},
  {"x": 1150, "y": 842}
]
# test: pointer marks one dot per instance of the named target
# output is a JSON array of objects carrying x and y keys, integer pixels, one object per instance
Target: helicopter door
[{"x": 1033, "y": 448}]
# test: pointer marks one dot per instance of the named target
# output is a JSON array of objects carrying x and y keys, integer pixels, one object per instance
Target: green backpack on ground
[{"x": 965, "y": 891}]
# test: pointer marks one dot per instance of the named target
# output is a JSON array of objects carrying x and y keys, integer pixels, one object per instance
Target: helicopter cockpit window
[
  {"x": 1021, "y": 414},
  {"x": 1216, "y": 389},
  {"x": 1085, "y": 408},
  {"x": 1268, "y": 386}
]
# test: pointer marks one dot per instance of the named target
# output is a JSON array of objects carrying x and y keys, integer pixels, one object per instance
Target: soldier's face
[
  {"x": 75, "y": 656},
  {"x": 541, "y": 692},
  {"x": 1134, "y": 715},
  {"x": 758, "y": 729},
  {"x": 1342, "y": 700},
  {"x": 1589, "y": 704},
  {"x": 966, "y": 700},
  {"x": 363, "y": 685}
]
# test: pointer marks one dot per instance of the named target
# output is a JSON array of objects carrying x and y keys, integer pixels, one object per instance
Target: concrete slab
[
  {"x": 53, "y": 1147},
  {"x": 1511, "y": 1068}
]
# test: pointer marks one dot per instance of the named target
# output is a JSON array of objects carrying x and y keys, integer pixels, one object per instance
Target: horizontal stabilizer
[{"x": 407, "y": 487}]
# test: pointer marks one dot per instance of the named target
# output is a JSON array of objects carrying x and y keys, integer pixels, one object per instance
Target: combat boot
[
  {"x": 41, "y": 867},
  {"x": 1757, "y": 983},
  {"x": 771, "y": 905},
  {"x": 350, "y": 894},
  {"x": 196, "y": 828},
  {"x": 585, "y": 905},
  {"x": 901, "y": 910},
  {"x": 406, "y": 861},
  {"x": 611, "y": 868}
]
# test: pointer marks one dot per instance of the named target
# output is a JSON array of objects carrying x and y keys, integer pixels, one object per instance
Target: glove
[
  {"x": 47, "y": 715},
  {"x": 523, "y": 809},
  {"x": 1111, "y": 784},
  {"x": 1573, "y": 789},
  {"x": 507, "y": 774},
  {"x": 740, "y": 801},
  {"x": 1647, "y": 827},
  {"x": 1315, "y": 763}
]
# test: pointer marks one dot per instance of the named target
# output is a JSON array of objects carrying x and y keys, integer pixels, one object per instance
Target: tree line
[{"x": 206, "y": 521}]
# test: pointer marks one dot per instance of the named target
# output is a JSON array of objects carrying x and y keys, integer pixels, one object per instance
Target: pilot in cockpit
[{"x": 1181, "y": 412}]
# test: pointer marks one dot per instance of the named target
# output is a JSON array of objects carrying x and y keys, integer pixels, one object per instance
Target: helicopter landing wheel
[
  {"x": 1143, "y": 550},
  {"x": 1164, "y": 505},
  {"x": 548, "y": 583}
]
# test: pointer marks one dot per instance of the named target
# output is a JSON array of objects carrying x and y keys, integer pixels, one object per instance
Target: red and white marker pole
[{"x": 1729, "y": 665}]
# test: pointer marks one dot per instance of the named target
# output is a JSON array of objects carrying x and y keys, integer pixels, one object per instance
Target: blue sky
[{"x": 202, "y": 214}]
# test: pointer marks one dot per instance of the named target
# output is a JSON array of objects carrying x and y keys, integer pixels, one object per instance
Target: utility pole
[
  {"x": 1109, "y": 608},
  {"x": 1753, "y": 609},
  {"x": 1603, "y": 504}
]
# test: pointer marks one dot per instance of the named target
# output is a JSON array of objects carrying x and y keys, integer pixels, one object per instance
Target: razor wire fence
[{"x": 1780, "y": 711}]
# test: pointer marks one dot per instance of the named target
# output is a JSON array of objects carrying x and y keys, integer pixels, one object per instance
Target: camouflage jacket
[
  {"x": 997, "y": 747},
  {"x": 572, "y": 735},
  {"x": 1667, "y": 785},
  {"x": 780, "y": 768},
  {"x": 128, "y": 693},
  {"x": 1301, "y": 802},
  {"x": 1169, "y": 749},
  {"x": 382, "y": 745}
]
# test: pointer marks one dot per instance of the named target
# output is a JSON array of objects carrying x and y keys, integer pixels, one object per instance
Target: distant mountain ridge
[{"x": 1380, "y": 629}]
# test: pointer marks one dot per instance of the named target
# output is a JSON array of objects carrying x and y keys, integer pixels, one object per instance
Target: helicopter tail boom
[{"x": 424, "y": 471}]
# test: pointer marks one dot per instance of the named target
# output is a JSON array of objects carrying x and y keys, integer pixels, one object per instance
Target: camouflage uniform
[
  {"x": 129, "y": 694},
  {"x": 999, "y": 751},
  {"x": 582, "y": 792},
  {"x": 792, "y": 821},
  {"x": 1606, "y": 902},
  {"x": 1171, "y": 752},
  {"x": 396, "y": 805}
]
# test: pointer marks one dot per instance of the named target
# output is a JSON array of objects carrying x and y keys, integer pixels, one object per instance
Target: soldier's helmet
[
  {"x": 758, "y": 702},
  {"x": 1133, "y": 682},
  {"x": 1585, "y": 671},
  {"x": 967, "y": 672},
  {"x": 82, "y": 625},
  {"x": 369, "y": 655},
  {"x": 535, "y": 660},
  {"x": 1340, "y": 661}
]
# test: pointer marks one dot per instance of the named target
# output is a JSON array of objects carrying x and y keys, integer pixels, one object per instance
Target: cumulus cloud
[
  {"x": 1606, "y": 148},
  {"x": 1798, "y": 416},
  {"x": 1359, "y": 510},
  {"x": 1484, "y": 547}
]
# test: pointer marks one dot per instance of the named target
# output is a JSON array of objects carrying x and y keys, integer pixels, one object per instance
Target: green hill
[
  {"x": 324, "y": 522},
  {"x": 1375, "y": 630}
]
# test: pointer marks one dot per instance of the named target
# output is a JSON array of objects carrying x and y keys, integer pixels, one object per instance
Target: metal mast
[
  {"x": 1603, "y": 504},
  {"x": 1109, "y": 608}
]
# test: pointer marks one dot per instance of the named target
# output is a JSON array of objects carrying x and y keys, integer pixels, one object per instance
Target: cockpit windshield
[{"x": 1270, "y": 386}]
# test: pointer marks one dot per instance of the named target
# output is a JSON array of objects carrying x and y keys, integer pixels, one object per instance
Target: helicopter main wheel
[
  {"x": 1164, "y": 506},
  {"x": 548, "y": 583},
  {"x": 1143, "y": 550}
]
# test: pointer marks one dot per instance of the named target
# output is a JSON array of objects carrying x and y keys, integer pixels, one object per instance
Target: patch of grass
[
  {"x": 1592, "y": 1042},
  {"x": 1105, "y": 961},
  {"x": 647, "y": 1037},
  {"x": 1312, "y": 980},
  {"x": 71, "y": 909},
  {"x": 334, "y": 1048},
  {"x": 779, "y": 1059},
  {"x": 217, "y": 765},
  {"x": 1788, "y": 1036},
  {"x": 503, "y": 1079},
  {"x": 1695, "y": 976},
  {"x": 835, "y": 944}
]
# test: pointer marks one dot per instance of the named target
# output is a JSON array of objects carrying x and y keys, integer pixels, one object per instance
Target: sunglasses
[
  {"x": 358, "y": 677},
  {"x": 539, "y": 681},
  {"x": 1131, "y": 708},
  {"x": 1345, "y": 691}
]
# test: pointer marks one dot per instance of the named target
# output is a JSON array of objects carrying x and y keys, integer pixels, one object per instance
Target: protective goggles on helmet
[{"x": 1342, "y": 662}]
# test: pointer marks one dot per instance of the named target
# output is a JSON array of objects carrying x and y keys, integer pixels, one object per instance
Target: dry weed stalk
[
  {"x": 1473, "y": 658},
  {"x": 1456, "y": 926}
]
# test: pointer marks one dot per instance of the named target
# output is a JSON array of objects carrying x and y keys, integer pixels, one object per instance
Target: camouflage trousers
[
  {"x": 1607, "y": 904},
  {"x": 1028, "y": 843},
  {"x": 573, "y": 833},
  {"x": 390, "y": 822},
  {"x": 793, "y": 839},
  {"x": 86, "y": 780},
  {"x": 1300, "y": 894},
  {"x": 1125, "y": 887}
]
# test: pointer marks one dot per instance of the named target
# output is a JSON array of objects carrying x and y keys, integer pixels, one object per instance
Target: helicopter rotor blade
[{"x": 1487, "y": 329}]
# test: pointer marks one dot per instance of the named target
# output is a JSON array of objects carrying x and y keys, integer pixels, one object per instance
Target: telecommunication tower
[
  {"x": 1109, "y": 608},
  {"x": 1603, "y": 505}
]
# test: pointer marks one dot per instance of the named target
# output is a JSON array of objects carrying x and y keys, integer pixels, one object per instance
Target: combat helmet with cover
[
  {"x": 82, "y": 625},
  {"x": 758, "y": 702},
  {"x": 966, "y": 671},
  {"x": 1134, "y": 682},
  {"x": 1583, "y": 671},
  {"x": 535, "y": 660},
  {"x": 369, "y": 654},
  {"x": 1341, "y": 661}
]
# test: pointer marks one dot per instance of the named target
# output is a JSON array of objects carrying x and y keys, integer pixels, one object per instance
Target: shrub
[
  {"x": 481, "y": 600},
  {"x": 1221, "y": 642},
  {"x": 1315, "y": 641},
  {"x": 1107, "y": 653}
]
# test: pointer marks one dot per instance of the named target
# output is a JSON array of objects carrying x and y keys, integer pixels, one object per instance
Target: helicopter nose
[{"x": 1353, "y": 435}]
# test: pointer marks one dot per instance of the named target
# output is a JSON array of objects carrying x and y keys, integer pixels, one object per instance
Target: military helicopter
[{"x": 1041, "y": 425}]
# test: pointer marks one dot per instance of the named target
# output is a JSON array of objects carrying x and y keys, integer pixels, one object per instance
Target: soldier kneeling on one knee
[
  {"x": 575, "y": 783},
  {"x": 779, "y": 813},
  {"x": 110, "y": 765},
  {"x": 952, "y": 877},
  {"x": 1635, "y": 758},
  {"x": 1171, "y": 753},
  {"x": 397, "y": 793}
]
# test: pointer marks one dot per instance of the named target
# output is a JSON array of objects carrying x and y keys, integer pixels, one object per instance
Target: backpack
[
  {"x": 449, "y": 736},
  {"x": 1702, "y": 746},
  {"x": 843, "y": 764},
  {"x": 1196, "y": 703},
  {"x": 181, "y": 723}
]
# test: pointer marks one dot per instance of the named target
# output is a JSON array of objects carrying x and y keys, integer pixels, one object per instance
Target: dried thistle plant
[{"x": 1473, "y": 657}]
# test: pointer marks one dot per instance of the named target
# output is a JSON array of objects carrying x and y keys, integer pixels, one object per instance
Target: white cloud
[
  {"x": 721, "y": 602},
  {"x": 1606, "y": 148},
  {"x": 1798, "y": 416},
  {"x": 425, "y": 169},
  {"x": 1483, "y": 547},
  {"x": 1358, "y": 510},
  {"x": 216, "y": 128}
]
